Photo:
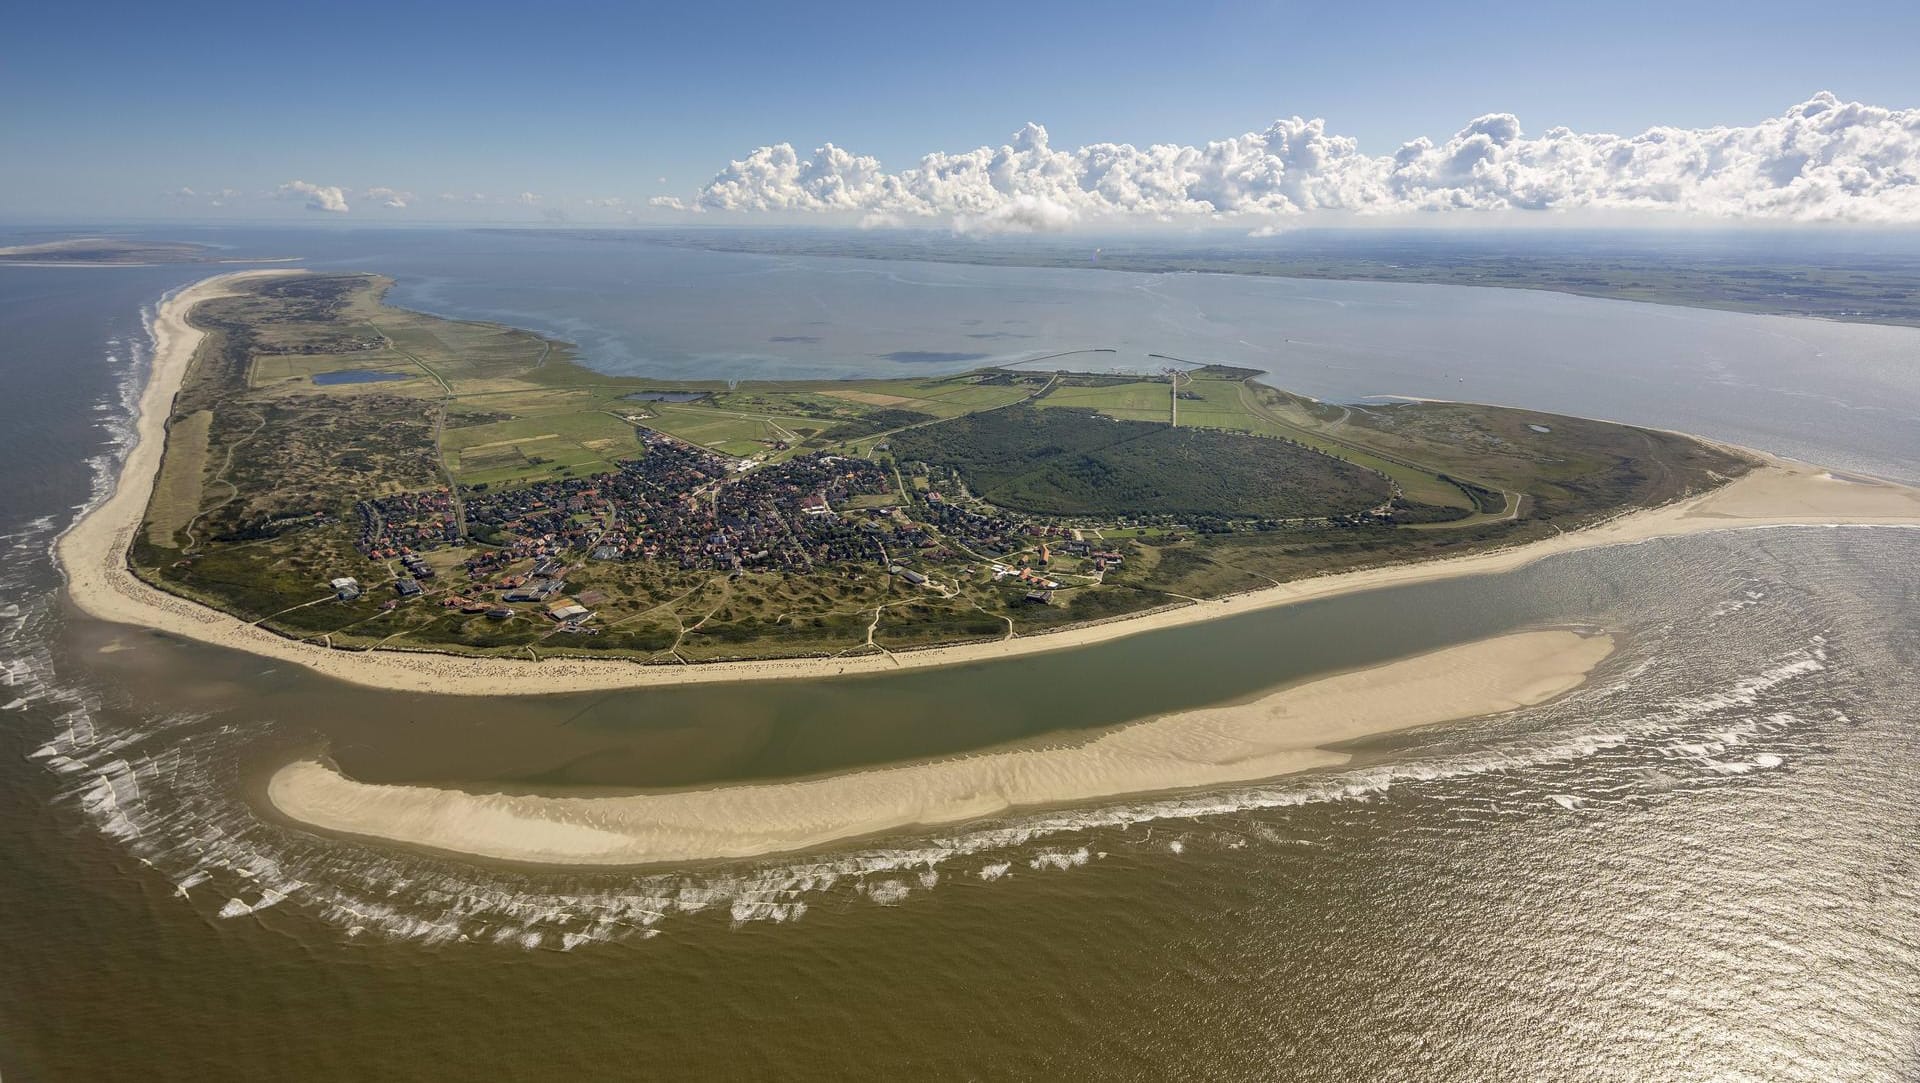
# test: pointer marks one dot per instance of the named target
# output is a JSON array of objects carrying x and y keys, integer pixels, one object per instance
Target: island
[
  {"x": 355, "y": 475},
  {"x": 107, "y": 252},
  {"x": 413, "y": 503},
  {"x": 422, "y": 504}
]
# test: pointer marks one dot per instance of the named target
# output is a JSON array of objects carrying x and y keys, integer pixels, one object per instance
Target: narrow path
[
  {"x": 439, "y": 427},
  {"x": 291, "y": 608},
  {"x": 446, "y": 471},
  {"x": 1052, "y": 379},
  {"x": 220, "y": 476},
  {"x": 872, "y": 626},
  {"x": 687, "y": 630}
]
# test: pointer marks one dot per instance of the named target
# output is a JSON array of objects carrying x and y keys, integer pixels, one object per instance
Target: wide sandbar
[{"x": 1277, "y": 734}]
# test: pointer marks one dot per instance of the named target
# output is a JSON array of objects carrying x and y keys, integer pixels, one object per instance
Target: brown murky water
[{"x": 1702, "y": 866}]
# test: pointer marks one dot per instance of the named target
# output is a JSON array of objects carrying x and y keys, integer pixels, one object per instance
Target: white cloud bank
[
  {"x": 1822, "y": 160},
  {"x": 318, "y": 197},
  {"x": 391, "y": 198}
]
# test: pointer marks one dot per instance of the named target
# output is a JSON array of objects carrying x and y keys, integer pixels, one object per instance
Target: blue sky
[{"x": 107, "y": 110}]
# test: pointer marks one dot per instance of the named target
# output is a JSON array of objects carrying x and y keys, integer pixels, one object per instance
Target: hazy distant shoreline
[{"x": 1759, "y": 282}]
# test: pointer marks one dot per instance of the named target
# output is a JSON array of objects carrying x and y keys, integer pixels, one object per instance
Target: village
[{"x": 520, "y": 551}]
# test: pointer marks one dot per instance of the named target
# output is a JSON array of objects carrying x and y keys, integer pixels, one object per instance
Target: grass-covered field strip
[
  {"x": 1143, "y": 401},
  {"x": 177, "y": 493}
]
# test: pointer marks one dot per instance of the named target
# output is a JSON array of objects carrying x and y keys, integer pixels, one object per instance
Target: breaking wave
[{"x": 172, "y": 791}]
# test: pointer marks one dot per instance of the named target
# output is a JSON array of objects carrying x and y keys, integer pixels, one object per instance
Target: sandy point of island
[
  {"x": 1278, "y": 734},
  {"x": 93, "y": 556}
]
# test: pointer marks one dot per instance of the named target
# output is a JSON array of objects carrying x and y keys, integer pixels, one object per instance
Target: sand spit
[
  {"x": 93, "y": 553},
  {"x": 1278, "y": 734},
  {"x": 94, "y": 557}
]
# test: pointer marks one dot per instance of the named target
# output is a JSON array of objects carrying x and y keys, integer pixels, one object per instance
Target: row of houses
[{"x": 405, "y": 522}]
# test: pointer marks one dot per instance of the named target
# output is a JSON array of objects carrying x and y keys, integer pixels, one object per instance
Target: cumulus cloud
[
  {"x": 668, "y": 203},
  {"x": 390, "y": 197},
  {"x": 215, "y": 198},
  {"x": 1022, "y": 214},
  {"x": 529, "y": 198},
  {"x": 318, "y": 197},
  {"x": 1822, "y": 160}
]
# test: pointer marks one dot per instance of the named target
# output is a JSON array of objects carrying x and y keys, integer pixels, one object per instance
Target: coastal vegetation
[
  {"x": 353, "y": 474},
  {"x": 1078, "y": 461}
]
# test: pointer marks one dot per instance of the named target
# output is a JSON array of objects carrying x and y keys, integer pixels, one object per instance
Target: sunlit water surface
[{"x": 1700, "y": 866}]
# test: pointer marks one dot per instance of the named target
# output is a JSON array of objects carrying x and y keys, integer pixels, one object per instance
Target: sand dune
[
  {"x": 1274, "y": 735},
  {"x": 94, "y": 557}
]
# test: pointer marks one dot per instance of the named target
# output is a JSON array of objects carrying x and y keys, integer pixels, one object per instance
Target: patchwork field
[{"x": 525, "y": 436}]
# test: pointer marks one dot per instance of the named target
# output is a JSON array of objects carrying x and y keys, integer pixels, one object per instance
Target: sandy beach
[
  {"x": 93, "y": 555},
  {"x": 1277, "y": 734}
]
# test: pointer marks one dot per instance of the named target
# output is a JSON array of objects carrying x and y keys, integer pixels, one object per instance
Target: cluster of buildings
[
  {"x": 976, "y": 530},
  {"x": 784, "y": 517},
  {"x": 1026, "y": 576},
  {"x": 993, "y": 532},
  {"x": 1102, "y": 559},
  {"x": 683, "y": 506},
  {"x": 666, "y": 506},
  {"x": 401, "y": 522},
  {"x": 570, "y": 613},
  {"x": 603, "y": 513}
]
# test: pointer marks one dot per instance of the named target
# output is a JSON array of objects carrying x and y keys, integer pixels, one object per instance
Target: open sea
[{"x": 1704, "y": 865}]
